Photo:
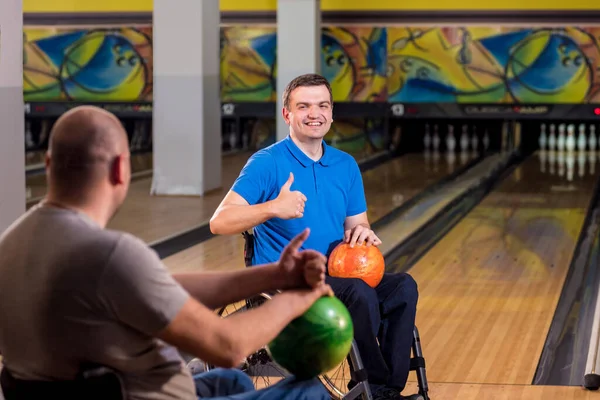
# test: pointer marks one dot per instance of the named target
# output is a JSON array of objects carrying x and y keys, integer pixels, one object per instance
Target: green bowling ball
[{"x": 317, "y": 341}]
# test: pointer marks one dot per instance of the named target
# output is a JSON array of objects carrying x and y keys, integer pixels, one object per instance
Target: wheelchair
[
  {"x": 264, "y": 371},
  {"x": 93, "y": 383}
]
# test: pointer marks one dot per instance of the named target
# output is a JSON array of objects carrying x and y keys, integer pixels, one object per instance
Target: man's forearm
[
  {"x": 217, "y": 289},
  {"x": 232, "y": 219}
]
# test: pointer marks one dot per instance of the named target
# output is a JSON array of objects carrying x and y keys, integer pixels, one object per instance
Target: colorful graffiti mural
[
  {"x": 364, "y": 64},
  {"x": 493, "y": 65},
  {"x": 248, "y": 56},
  {"x": 354, "y": 61},
  {"x": 87, "y": 64}
]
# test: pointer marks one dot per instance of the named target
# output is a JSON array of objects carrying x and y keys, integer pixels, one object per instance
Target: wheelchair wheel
[
  {"x": 336, "y": 381},
  {"x": 265, "y": 372},
  {"x": 259, "y": 365}
]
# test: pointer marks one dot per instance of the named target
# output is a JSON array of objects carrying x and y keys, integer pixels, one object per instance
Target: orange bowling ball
[{"x": 366, "y": 263}]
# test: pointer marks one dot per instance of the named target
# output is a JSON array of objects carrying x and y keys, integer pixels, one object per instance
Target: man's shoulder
[{"x": 129, "y": 246}]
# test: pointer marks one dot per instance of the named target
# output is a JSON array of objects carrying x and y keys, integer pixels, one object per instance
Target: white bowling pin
[
  {"x": 570, "y": 139},
  {"x": 552, "y": 138},
  {"x": 475, "y": 140},
  {"x": 427, "y": 138},
  {"x": 436, "y": 138},
  {"x": 450, "y": 139},
  {"x": 486, "y": 140},
  {"x": 581, "y": 142},
  {"x": 592, "y": 142},
  {"x": 560, "y": 142},
  {"x": 542, "y": 140},
  {"x": 592, "y": 160},
  {"x": 464, "y": 139}
]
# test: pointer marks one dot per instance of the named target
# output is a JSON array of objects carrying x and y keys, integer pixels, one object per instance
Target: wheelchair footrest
[{"x": 416, "y": 363}]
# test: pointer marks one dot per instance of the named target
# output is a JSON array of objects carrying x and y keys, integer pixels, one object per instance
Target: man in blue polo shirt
[{"x": 302, "y": 182}]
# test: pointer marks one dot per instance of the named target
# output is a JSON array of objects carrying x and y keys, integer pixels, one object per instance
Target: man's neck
[
  {"x": 93, "y": 213},
  {"x": 313, "y": 148}
]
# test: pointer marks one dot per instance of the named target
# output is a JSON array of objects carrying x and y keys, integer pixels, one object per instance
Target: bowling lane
[
  {"x": 400, "y": 228},
  {"x": 489, "y": 288},
  {"x": 387, "y": 186}
]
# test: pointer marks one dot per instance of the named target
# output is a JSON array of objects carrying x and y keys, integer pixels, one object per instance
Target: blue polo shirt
[{"x": 332, "y": 185}]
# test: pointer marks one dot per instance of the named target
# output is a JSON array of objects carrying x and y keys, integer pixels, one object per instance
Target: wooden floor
[
  {"x": 386, "y": 187},
  {"x": 489, "y": 288},
  {"x": 475, "y": 391}
]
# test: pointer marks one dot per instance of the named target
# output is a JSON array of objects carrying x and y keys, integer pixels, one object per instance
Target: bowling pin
[
  {"x": 436, "y": 138},
  {"x": 552, "y": 138},
  {"x": 486, "y": 140},
  {"x": 450, "y": 139},
  {"x": 28, "y": 135},
  {"x": 427, "y": 138},
  {"x": 560, "y": 143},
  {"x": 592, "y": 160},
  {"x": 581, "y": 139},
  {"x": 592, "y": 142},
  {"x": 475, "y": 140},
  {"x": 570, "y": 140},
  {"x": 542, "y": 140},
  {"x": 464, "y": 139},
  {"x": 581, "y": 163}
]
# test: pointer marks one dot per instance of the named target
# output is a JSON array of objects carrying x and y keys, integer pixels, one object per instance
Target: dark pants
[
  {"x": 385, "y": 313},
  {"x": 233, "y": 384}
]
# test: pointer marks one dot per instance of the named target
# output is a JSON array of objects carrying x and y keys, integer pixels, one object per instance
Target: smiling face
[{"x": 309, "y": 112}]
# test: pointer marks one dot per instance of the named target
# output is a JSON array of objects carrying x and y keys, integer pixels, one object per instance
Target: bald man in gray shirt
[{"x": 73, "y": 293}]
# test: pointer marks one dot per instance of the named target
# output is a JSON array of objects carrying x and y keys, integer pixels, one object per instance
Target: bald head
[{"x": 84, "y": 144}]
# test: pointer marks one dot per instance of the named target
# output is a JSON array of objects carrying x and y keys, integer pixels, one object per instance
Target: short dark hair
[{"x": 305, "y": 80}]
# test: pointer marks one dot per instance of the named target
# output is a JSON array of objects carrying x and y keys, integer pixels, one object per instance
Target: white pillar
[
  {"x": 187, "y": 111},
  {"x": 12, "y": 114},
  {"x": 298, "y": 46}
]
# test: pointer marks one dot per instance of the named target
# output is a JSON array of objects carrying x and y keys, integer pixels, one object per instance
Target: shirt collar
[{"x": 303, "y": 158}]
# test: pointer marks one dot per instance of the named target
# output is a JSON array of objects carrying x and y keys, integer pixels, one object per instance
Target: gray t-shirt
[{"x": 72, "y": 293}]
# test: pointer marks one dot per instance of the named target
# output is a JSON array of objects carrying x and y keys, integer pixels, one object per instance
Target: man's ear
[
  {"x": 117, "y": 170},
  {"x": 286, "y": 115}
]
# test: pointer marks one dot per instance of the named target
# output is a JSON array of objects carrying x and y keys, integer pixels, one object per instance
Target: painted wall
[
  {"x": 395, "y": 64},
  {"x": 326, "y": 5}
]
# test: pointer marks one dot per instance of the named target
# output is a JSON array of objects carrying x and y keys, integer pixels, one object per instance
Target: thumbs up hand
[{"x": 289, "y": 204}]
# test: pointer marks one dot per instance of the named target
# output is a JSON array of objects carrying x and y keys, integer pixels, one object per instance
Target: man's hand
[
  {"x": 361, "y": 234},
  {"x": 300, "y": 269},
  {"x": 288, "y": 204}
]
